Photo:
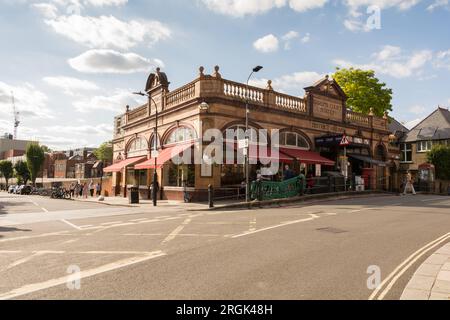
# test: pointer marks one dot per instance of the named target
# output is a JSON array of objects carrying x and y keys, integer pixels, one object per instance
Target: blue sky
[{"x": 72, "y": 65}]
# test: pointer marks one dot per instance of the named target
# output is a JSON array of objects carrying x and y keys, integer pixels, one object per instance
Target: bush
[{"x": 439, "y": 156}]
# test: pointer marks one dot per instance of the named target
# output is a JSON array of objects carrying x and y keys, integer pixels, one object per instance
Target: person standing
[
  {"x": 85, "y": 190},
  {"x": 409, "y": 184},
  {"x": 99, "y": 189}
]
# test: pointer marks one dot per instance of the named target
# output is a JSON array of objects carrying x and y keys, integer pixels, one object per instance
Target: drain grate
[{"x": 332, "y": 230}]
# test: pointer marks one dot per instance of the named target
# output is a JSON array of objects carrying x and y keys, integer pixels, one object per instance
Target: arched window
[
  {"x": 138, "y": 147},
  {"x": 181, "y": 134},
  {"x": 293, "y": 139},
  {"x": 238, "y": 131}
]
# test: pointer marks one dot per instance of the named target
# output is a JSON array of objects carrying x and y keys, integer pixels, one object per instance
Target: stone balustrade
[
  {"x": 290, "y": 103},
  {"x": 181, "y": 95},
  {"x": 358, "y": 118},
  {"x": 210, "y": 86}
]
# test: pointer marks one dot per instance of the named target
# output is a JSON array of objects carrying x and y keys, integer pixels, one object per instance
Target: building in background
[
  {"x": 13, "y": 150},
  {"x": 414, "y": 145}
]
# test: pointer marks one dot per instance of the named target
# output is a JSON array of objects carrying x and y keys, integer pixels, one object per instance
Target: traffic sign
[{"x": 344, "y": 141}]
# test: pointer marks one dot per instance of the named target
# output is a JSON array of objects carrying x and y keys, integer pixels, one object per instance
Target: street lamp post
[
  {"x": 247, "y": 146},
  {"x": 155, "y": 139}
]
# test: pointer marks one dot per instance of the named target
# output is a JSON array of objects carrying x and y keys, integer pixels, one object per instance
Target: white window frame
[
  {"x": 284, "y": 144},
  {"x": 424, "y": 146}
]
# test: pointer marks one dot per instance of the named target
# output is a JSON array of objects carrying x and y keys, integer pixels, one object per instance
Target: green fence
[{"x": 269, "y": 190}]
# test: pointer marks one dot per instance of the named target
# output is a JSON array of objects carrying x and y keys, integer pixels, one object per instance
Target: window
[
  {"x": 179, "y": 175},
  {"x": 138, "y": 147},
  {"x": 424, "y": 146},
  {"x": 180, "y": 135},
  {"x": 293, "y": 139},
  {"x": 406, "y": 150},
  {"x": 239, "y": 134}
]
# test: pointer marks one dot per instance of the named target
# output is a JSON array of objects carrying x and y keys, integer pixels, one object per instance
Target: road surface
[{"x": 56, "y": 249}]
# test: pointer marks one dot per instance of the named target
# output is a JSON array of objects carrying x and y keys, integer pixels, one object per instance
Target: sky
[{"x": 73, "y": 64}]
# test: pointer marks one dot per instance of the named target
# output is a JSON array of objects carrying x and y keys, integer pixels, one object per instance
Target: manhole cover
[{"x": 331, "y": 230}]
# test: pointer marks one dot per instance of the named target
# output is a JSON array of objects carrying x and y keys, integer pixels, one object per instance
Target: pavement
[
  {"x": 359, "y": 248},
  {"x": 432, "y": 280}
]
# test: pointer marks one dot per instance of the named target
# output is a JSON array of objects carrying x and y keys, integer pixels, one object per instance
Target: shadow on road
[{"x": 11, "y": 229}]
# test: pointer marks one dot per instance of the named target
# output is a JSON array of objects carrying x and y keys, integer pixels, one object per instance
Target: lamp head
[{"x": 257, "y": 68}]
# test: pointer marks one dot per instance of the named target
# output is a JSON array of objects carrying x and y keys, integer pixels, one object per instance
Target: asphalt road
[{"x": 311, "y": 251}]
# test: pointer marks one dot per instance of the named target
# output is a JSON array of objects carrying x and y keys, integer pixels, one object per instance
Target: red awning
[
  {"x": 117, "y": 167},
  {"x": 164, "y": 156},
  {"x": 266, "y": 153},
  {"x": 307, "y": 157}
]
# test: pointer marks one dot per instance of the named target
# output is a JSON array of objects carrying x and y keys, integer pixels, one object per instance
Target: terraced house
[{"x": 311, "y": 130}]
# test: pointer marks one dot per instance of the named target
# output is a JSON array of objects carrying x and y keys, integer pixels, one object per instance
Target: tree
[
  {"x": 6, "y": 169},
  {"x": 364, "y": 91},
  {"x": 35, "y": 160},
  {"x": 105, "y": 152},
  {"x": 22, "y": 171},
  {"x": 439, "y": 156}
]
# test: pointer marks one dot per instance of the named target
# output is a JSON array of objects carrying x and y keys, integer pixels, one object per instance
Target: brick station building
[{"x": 311, "y": 129}]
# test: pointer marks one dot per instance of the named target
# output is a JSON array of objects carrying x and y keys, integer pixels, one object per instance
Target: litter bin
[{"x": 133, "y": 195}]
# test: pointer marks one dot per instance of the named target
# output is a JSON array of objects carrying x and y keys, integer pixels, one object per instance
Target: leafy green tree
[
  {"x": 35, "y": 160},
  {"x": 22, "y": 171},
  {"x": 364, "y": 91},
  {"x": 105, "y": 152},
  {"x": 6, "y": 169},
  {"x": 439, "y": 156}
]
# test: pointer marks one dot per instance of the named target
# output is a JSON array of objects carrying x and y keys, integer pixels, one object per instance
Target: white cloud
[
  {"x": 48, "y": 10},
  {"x": 442, "y": 59},
  {"x": 241, "y": 8},
  {"x": 110, "y": 61},
  {"x": 306, "y": 38},
  {"x": 30, "y": 102},
  {"x": 267, "y": 44},
  {"x": 305, "y": 5},
  {"x": 71, "y": 86},
  {"x": 288, "y": 37},
  {"x": 290, "y": 83},
  {"x": 115, "y": 103},
  {"x": 438, "y": 4},
  {"x": 382, "y": 4},
  {"x": 417, "y": 109},
  {"x": 357, "y": 21},
  {"x": 392, "y": 62},
  {"x": 85, "y": 129},
  {"x": 108, "y": 31},
  {"x": 411, "y": 124}
]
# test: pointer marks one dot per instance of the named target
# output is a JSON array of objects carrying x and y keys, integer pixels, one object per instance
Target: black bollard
[{"x": 210, "y": 196}]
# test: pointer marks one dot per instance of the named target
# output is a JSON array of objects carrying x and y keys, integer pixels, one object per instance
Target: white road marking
[
  {"x": 398, "y": 272},
  {"x": 19, "y": 262},
  {"x": 71, "y": 224},
  {"x": 252, "y": 225},
  {"x": 30, "y": 288},
  {"x": 137, "y": 220},
  {"x": 177, "y": 230},
  {"x": 178, "y": 235},
  {"x": 9, "y": 251},
  {"x": 311, "y": 218},
  {"x": 60, "y": 233},
  {"x": 39, "y": 206},
  {"x": 110, "y": 223}
]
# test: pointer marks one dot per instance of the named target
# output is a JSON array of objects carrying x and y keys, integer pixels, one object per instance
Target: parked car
[
  {"x": 12, "y": 188},
  {"x": 26, "y": 190}
]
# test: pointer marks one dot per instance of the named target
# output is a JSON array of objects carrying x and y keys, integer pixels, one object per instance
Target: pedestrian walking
[
  {"x": 91, "y": 188},
  {"x": 409, "y": 184}
]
